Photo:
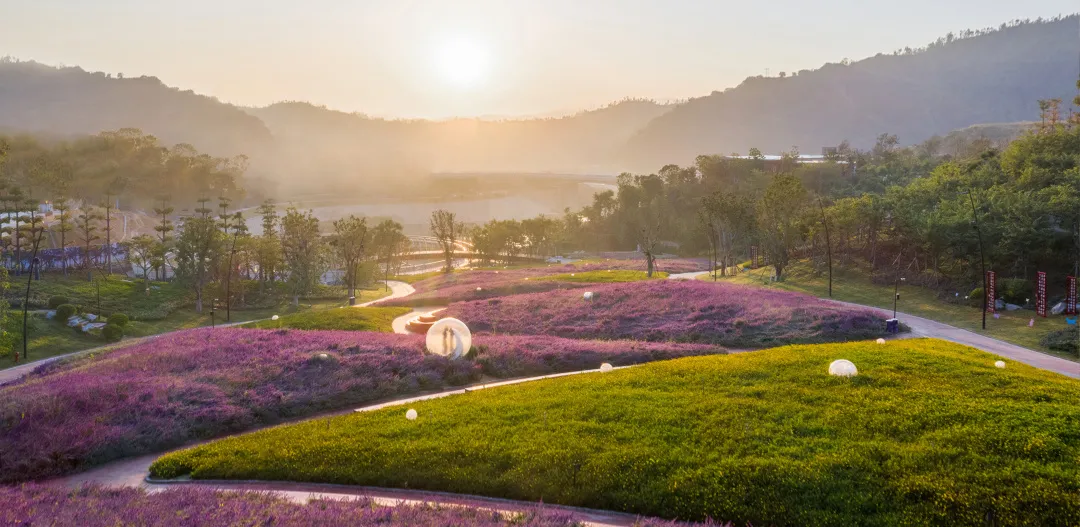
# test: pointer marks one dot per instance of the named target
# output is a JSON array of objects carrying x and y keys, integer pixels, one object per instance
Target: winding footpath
[
  {"x": 133, "y": 471},
  {"x": 924, "y": 327}
]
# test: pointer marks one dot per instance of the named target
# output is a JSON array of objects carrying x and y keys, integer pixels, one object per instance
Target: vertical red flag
[
  {"x": 1040, "y": 294},
  {"x": 991, "y": 287},
  {"x": 1070, "y": 297}
]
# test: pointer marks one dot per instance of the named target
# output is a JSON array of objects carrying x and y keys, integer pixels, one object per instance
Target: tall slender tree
[
  {"x": 351, "y": 242},
  {"x": 164, "y": 228},
  {"x": 88, "y": 227}
]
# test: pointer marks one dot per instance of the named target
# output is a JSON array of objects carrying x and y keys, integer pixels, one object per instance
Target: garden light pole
[
  {"x": 982, "y": 256},
  {"x": 213, "y": 322},
  {"x": 896, "y": 293},
  {"x": 828, "y": 246}
]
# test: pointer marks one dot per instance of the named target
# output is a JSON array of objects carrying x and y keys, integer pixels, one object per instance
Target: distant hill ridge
[{"x": 993, "y": 76}]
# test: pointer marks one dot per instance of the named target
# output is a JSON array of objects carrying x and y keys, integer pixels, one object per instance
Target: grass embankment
[
  {"x": 853, "y": 285},
  {"x": 605, "y": 277},
  {"x": 347, "y": 319},
  {"x": 49, "y": 338},
  {"x": 929, "y": 432}
]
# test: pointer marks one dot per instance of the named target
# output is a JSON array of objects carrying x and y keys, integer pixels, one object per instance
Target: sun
[{"x": 462, "y": 62}]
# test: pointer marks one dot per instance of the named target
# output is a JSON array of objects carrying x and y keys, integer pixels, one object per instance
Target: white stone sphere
[
  {"x": 410, "y": 415},
  {"x": 1000, "y": 364},
  {"x": 843, "y": 368},
  {"x": 588, "y": 295},
  {"x": 479, "y": 289},
  {"x": 449, "y": 337},
  {"x": 323, "y": 356},
  {"x": 605, "y": 367},
  {"x": 275, "y": 317},
  {"x": 880, "y": 341}
]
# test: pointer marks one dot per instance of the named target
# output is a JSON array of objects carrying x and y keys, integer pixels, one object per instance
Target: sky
[{"x": 445, "y": 58}]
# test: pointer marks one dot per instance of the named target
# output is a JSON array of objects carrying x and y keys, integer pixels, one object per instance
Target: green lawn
[
  {"x": 349, "y": 319},
  {"x": 112, "y": 294},
  {"x": 609, "y": 276},
  {"x": 413, "y": 278},
  {"x": 49, "y": 338},
  {"x": 853, "y": 285},
  {"x": 930, "y": 432}
]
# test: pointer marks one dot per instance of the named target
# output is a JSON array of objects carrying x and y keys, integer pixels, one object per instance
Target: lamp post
[
  {"x": 828, "y": 246},
  {"x": 896, "y": 294},
  {"x": 982, "y": 257},
  {"x": 213, "y": 322}
]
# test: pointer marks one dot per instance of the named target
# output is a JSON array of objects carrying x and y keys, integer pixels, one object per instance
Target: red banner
[
  {"x": 1040, "y": 294},
  {"x": 1070, "y": 296},
  {"x": 991, "y": 287}
]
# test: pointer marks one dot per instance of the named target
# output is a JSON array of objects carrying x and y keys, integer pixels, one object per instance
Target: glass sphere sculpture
[
  {"x": 411, "y": 415},
  {"x": 605, "y": 367},
  {"x": 843, "y": 368},
  {"x": 449, "y": 337}
]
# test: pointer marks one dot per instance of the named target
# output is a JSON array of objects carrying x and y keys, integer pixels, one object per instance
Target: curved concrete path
[
  {"x": 134, "y": 472},
  {"x": 924, "y": 327}
]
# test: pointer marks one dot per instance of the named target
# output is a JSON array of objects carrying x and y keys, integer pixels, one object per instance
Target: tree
[
  {"x": 350, "y": 242},
  {"x": 63, "y": 227},
  {"x": 198, "y": 248},
  {"x": 779, "y": 210},
  {"x": 303, "y": 251},
  {"x": 35, "y": 232},
  {"x": 390, "y": 245},
  {"x": 88, "y": 228},
  {"x": 268, "y": 246},
  {"x": 163, "y": 228},
  {"x": 107, "y": 204},
  {"x": 142, "y": 253},
  {"x": 239, "y": 230},
  {"x": 447, "y": 230}
]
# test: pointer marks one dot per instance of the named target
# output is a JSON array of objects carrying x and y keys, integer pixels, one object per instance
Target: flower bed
[
  {"x": 96, "y": 506},
  {"x": 463, "y": 286},
  {"x": 675, "y": 310},
  {"x": 208, "y": 382}
]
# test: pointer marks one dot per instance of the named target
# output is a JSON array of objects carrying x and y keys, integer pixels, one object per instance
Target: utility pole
[
  {"x": 828, "y": 247},
  {"x": 982, "y": 256}
]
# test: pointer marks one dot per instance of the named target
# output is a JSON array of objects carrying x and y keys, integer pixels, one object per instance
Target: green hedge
[
  {"x": 65, "y": 311},
  {"x": 112, "y": 332},
  {"x": 119, "y": 319}
]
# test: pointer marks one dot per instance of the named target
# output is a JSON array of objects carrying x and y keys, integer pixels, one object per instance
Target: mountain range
[{"x": 989, "y": 76}]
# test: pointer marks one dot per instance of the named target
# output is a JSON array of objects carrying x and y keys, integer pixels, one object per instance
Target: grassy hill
[{"x": 928, "y": 433}]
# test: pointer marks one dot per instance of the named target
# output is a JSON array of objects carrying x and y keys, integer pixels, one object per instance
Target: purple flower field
[
  {"x": 96, "y": 506},
  {"x": 204, "y": 383},
  {"x": 517, "y": 356},
  {"x": 674, "y": 310},
  {"x": 460, "y": 287}
]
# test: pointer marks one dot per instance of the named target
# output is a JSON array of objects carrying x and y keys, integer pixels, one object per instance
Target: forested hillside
[
  {"x": 986, "y": 76},
  {"x": 989, "y": 76}
]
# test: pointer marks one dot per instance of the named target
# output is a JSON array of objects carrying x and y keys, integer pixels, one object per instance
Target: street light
[
  {"x": 213, "y": 322},
  {"x": 896, "y": 294},
  {"x": 982, "y": 258}
]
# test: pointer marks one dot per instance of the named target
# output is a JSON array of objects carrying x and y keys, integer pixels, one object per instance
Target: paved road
[
  {"x": 924, "y": 327},
  {"x": 397, "y": 290}
]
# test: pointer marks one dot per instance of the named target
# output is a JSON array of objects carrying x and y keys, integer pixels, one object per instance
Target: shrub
[
  {"x": 1014, "y": 290},
  {"x": 1064, "y": 340},
  {"x": 112, "y": 332},
  {"x": 975, "y": 298},
  {"x": 119, "y": 319},
  {"x": 65, "y": 311},
  {"x": 57, "y": 301}
]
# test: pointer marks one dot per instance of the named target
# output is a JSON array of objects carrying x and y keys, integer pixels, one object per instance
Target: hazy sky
[{"x": 438, "y": 58}]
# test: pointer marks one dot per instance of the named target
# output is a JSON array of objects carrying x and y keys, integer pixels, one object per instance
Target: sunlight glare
[{"x": 463, "y": 62}]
